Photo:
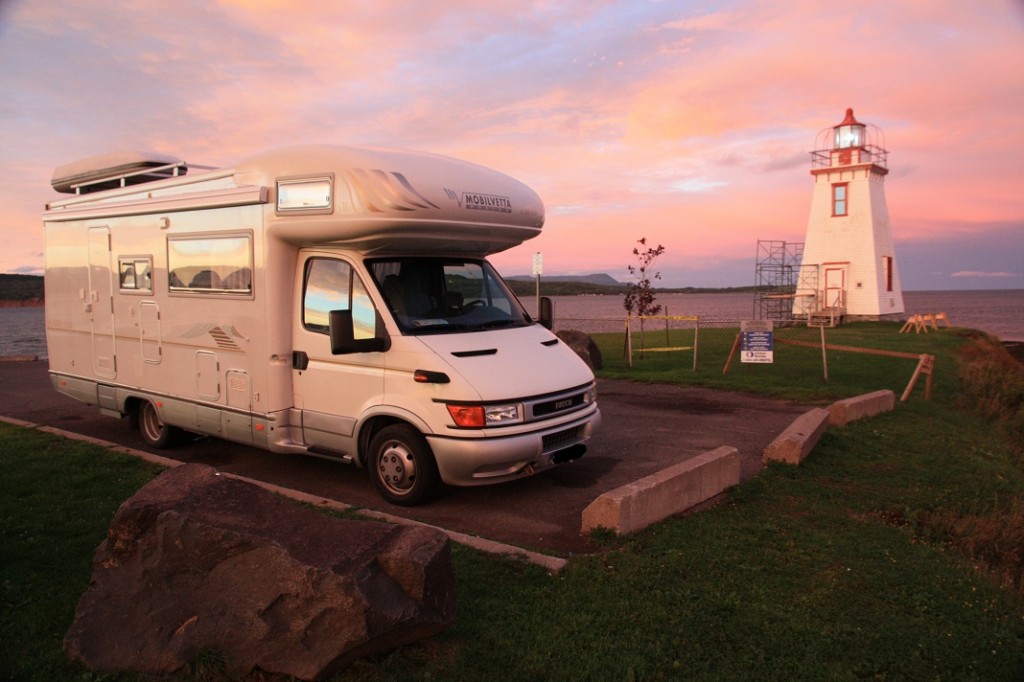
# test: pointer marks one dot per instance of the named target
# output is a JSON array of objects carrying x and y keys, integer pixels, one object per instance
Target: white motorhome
[{"x": 331, "y": 301}]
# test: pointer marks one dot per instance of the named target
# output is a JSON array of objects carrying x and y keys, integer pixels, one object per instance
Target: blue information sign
[{"x": 757, "y": 342}]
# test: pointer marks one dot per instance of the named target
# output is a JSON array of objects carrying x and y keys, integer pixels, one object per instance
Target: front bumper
[{"x": 496, "y": 459}]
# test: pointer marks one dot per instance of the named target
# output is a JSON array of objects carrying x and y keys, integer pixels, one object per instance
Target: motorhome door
[
  {"x": 100, "y": 304},
  {"x": 331, "y": 391}
]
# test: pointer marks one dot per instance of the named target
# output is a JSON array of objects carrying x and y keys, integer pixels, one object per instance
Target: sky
[{"x": 686, "y": 123}]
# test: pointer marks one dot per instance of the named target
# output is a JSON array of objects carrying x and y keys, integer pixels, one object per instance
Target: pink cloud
[{"x": 630, "y": 119}]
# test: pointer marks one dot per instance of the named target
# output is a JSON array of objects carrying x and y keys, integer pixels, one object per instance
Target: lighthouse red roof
[{"x": 850, "y": 120}]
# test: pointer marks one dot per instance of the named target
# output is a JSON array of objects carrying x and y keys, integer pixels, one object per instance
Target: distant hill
[
  {"x": 601, "y": 279},
  {"x": 20, "y": 290},
  {"x": 581, "y": 285},
  {"x": 565, "y": 285}
]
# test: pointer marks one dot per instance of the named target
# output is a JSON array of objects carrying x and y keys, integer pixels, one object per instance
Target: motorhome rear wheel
[{"x": 154, "y": 431}]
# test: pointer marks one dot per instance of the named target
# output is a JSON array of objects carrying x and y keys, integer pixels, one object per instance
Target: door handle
[{"x": 299, "y": 359}]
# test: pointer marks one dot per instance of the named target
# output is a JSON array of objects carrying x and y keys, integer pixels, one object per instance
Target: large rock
[
  {"x": 583, "y": 346},
  {"x": 196, "y": 561}
]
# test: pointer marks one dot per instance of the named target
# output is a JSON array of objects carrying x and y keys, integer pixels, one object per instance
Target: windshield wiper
[
  {"x": 494, "y": 324},
  {"x": 438, "y": 327}
]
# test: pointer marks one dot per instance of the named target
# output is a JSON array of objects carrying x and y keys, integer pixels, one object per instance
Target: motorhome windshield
[{"x": 444, "y": 295}]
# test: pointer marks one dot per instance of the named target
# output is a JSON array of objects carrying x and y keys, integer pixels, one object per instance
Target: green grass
[
  {"x": 56, "y": 499},
  {"x": 894, "y": 552},
  {"x": 797, "y": 372},
  {"x": 817, "y": 572}
]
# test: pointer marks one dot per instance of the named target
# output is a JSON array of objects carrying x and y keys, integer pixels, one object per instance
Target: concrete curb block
[
  {"x": 796, "y": 442},
  {"x": 843, "y": 412},
  {"x": 670, "y": 491},
  {"x": 551, "y": 563}
]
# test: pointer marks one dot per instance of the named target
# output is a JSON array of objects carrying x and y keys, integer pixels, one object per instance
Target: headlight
[
  {"x": 502, "y": 414},
  {"x": 479, "y": 416}
]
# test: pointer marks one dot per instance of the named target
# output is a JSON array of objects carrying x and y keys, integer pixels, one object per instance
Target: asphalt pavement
[{"x": 645, "y": 428}]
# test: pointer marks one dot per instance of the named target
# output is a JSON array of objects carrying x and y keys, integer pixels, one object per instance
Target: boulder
[
  {"x": 583, "y": 346},
  {"x": 199, "y": 562}
]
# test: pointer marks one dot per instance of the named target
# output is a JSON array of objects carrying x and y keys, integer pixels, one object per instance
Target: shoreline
[
  {"x": 1015, "y": 349},
  {"x": 27, "y": 303}
]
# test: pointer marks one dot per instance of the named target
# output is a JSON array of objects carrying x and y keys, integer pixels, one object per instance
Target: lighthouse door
[{"x": 835, "y": 287}]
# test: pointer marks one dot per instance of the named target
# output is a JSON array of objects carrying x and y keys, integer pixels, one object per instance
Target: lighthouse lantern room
[{"x": 848, "y": 269}]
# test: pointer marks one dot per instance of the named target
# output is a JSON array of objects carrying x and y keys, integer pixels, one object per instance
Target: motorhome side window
[
  {"x": 220, "y": 264},
  {"x": 332, "y": 284},
  {"x": 135, "y": 274}
]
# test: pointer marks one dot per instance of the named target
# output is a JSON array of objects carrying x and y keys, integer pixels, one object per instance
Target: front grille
[
  {"x": 561, "y": 439},
  {"x": 557, "y": 405}
]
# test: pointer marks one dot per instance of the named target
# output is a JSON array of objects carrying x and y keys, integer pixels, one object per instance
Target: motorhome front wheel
[{"x": 402, "y": 466}]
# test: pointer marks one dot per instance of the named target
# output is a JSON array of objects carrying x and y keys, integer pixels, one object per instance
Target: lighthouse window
[
  {"x": 839, "y": 199},
  {"x": 849, "y": 136}
]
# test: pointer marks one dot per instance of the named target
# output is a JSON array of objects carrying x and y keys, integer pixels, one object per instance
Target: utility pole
[{"x": 538, "y": 267}]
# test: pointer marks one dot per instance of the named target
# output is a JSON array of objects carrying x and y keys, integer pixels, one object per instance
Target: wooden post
[
  {"x": 629, "y": 341},
  {"x": 924, "y": 366},
  {"x": 929, "y": 364},
  {"x": 732, "y": 353},
  {"x": 696, "y": 333},
  {"x": 824, "y": 356},
  {"x": 625, "y": 339},
  {"x": 928, "y": 380}
]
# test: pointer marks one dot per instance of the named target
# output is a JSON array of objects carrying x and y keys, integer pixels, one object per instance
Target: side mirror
[
  {"x": 342, "y": 335},
  {"x": 546, "y": 312}
]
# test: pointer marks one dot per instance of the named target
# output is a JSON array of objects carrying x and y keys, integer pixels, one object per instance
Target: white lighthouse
[{"x": 849, "y": 263}]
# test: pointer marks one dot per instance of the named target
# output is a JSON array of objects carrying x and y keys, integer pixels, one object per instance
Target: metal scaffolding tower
[{"x": 777, "y": 271}]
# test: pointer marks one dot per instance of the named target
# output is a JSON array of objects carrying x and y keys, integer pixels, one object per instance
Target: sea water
[
  {"x": 998, "y": 312},
  {"x": 22, "y": 332}
]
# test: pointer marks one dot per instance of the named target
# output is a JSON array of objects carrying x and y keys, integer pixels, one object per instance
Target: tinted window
[
  {"x": 220, "y": 264},
  {"x": 332, "y": 284},
  {"x": 439, "y": 295}
]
